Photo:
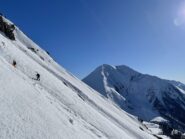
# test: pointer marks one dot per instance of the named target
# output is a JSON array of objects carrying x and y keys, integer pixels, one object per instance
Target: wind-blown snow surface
[
  {"x": 59, "y": 106},
  {"x": 147, "y": 97}
]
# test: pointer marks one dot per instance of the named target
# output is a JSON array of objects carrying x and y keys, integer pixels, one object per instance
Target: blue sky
[{"x": 147, "y": 35}]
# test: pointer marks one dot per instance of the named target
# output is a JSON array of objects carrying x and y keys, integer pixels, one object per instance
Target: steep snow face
[
  {"x": 144, "y": 96},
  {"x": 58, "y": 105}
]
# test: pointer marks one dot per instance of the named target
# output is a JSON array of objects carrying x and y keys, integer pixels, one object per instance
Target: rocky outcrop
[{"x": 7, "y": 29}]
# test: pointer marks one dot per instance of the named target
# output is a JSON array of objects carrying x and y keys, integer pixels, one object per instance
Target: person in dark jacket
[
  {"x": 14, "y": 63},
  {"x": 38, "y": 77}
]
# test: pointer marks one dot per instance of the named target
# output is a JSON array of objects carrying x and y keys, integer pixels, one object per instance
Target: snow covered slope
[
  {"x": 147, "y": 97},
  {"x": 179, "y": 85},
  {"x": 59, "y": 106}
]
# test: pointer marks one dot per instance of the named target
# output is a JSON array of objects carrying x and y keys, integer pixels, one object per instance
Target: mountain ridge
[{"x": 142, "y": 95}]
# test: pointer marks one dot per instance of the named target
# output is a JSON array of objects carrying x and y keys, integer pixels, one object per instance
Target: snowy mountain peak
[
  {"x": 121, "y": 68},
  {"x": 144, "y": 96},
  {"x": 126, "y": 70}
]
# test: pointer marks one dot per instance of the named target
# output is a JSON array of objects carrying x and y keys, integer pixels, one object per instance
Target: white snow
[
  {"x": 183, "y": 91},
  {"x": 159, "y": 119},
  {"x": 59, "y": 106}
]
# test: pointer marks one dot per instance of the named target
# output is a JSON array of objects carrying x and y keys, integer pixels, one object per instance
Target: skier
[
  {"x": 38, "y": 77},
  {"x": 14, "y": 63}
]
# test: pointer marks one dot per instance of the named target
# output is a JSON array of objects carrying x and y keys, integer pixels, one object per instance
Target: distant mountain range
[{"x": 148, "y": 97}]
